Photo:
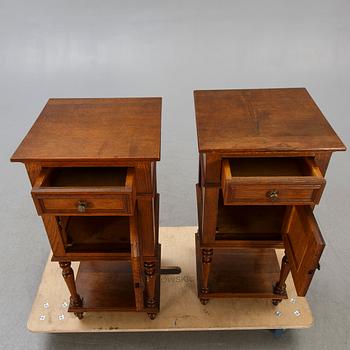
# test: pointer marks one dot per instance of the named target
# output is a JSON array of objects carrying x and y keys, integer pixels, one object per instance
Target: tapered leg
[
  {"x": 150, "y": 273},
  {"x": 207, "y": 255},
  {"x": 280, "y": 286},
  {"x": 68, "y": 275}
]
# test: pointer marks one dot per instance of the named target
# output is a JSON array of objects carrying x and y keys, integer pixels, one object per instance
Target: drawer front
[
  {"x": 84, "y": 205},
  {"x": 87, "y": 196},
  {"x": 272, "y": 190},
  {"x": 270, "y": 194}
]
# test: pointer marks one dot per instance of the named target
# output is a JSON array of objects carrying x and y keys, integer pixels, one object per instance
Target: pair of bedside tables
[{"x": 263, "y": 155}]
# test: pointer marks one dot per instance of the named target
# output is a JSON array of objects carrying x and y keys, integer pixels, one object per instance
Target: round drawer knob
[
  {"x": 272, "y": 194},
  {"x": 82, "y": 205}
]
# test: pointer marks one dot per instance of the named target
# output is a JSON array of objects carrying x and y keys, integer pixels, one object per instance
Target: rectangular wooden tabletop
[
  {"x": 94, "y": 129},
  {"x": 284, "y": 119}
]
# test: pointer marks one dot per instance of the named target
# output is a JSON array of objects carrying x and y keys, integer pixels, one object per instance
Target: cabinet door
[{"x": 304, "y": 245}]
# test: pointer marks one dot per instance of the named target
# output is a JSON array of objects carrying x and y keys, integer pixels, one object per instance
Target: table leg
[
  {"x": 68, "y": 275},
  {"x": 207, "y": 255},
  {"x": 280, "y": 286},
  {"x": 150, "y": 273}
]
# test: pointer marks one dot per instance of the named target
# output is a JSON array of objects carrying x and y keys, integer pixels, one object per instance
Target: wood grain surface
[
  {"x": 94, "y": 128},
  {"x": 262, "y": 120}
]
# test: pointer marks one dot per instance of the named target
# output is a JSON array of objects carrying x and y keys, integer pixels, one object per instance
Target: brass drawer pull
[
  {"x": 272, "y": 194},
  {"x": 82, "y": 205}
]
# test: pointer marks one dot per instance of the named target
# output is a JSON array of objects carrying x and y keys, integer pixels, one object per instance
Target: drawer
[
  {"x": 85, "y": 191},
  {"x": 295, "y": 180}
]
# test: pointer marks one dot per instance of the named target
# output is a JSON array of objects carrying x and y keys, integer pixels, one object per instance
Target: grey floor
[{"x": 169, "y": 48}]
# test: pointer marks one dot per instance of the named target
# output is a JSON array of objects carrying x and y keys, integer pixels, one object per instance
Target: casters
[
  {"x": 152, "y": 315},
  {"x": 204, "y": 301},
  {"x": 276, "y": 301},
  {"x": 277, "y": 333},
  {"x": 80, "y": 315}
]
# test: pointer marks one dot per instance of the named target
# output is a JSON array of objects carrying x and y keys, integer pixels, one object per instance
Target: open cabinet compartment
[
  {"x": 250, "y": 226},
  {"x": 86, "y": 234}
]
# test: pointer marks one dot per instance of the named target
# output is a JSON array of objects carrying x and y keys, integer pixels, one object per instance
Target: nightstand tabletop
[
  {"x": 262, "y": 120},
  {"x": 103, "y": 129}
]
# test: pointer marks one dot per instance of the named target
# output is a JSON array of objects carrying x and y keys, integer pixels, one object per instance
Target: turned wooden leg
[
  {"x": 152, "y": 315},
  {"x": 280, "y": 286},
  {"x": 68, "y": 275},
  {"x": 207, "y": 255},
  {"x": 150, "y": 273}
]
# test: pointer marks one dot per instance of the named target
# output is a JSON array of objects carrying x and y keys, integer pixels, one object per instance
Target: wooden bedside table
[
  {"x": 92, "y": 166},
  {"x": 263, "y": 155}
]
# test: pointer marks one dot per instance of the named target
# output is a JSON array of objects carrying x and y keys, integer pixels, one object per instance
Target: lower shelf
[
  {"x": 180, "y": 307},
  {"x": 242, "y": 273},
  {"x": 109, "y": 286},
  {"x": 105, "y": 286}
]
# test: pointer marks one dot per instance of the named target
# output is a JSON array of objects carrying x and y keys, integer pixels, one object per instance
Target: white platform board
[{"x": 180, "y": 309}]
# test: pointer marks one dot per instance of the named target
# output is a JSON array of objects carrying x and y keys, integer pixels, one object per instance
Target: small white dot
[
  {"x": 278, "y": 313},
  {"x": 61, "y": 317},
  {"x": 42, "y": 317},
  {"x": 46, "y": 305},
  {"x": 65, "y": 304},
  {"x": 297, "y": 313},
  {"x": 293, "y": 300}
]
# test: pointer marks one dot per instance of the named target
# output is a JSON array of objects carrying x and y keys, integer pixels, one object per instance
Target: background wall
[{"x": 169, "y": 48}]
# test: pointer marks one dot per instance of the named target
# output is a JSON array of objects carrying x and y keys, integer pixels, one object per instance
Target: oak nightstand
[
  {"x": 263, "y": 155},
  {"x": 92, "y": 166}
]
